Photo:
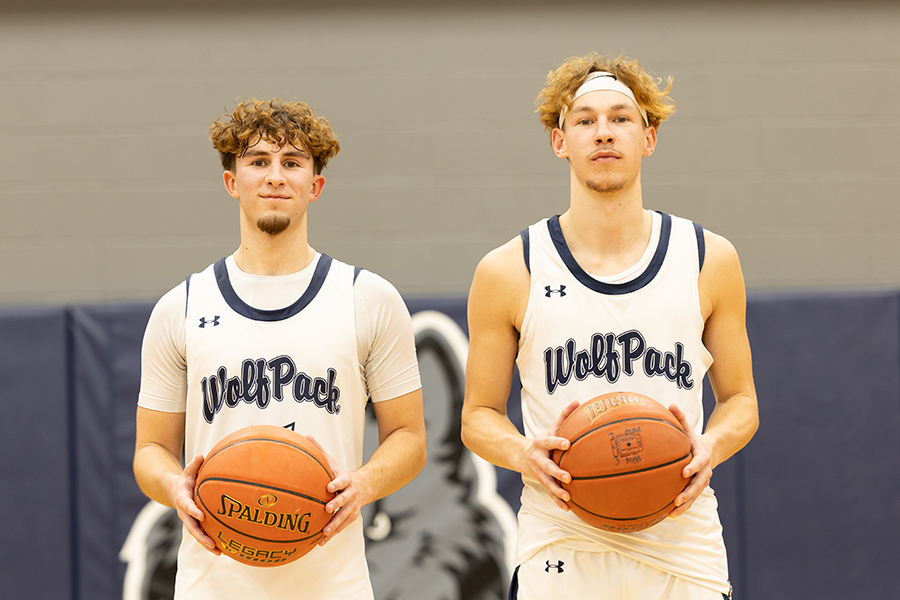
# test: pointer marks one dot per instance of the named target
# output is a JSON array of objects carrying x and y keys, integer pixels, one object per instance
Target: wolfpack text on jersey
[{"x": 297, "y": 364}]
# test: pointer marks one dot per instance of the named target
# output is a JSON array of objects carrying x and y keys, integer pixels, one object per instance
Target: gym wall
[{"x": 784, "y": 138}]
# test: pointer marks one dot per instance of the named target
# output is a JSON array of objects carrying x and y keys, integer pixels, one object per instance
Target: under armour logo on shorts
[
  {"x": 561, "y": 291},
  {"x": 558, "y": 566}
]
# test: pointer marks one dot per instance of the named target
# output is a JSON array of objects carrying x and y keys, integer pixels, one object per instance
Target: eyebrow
[
  {"x": 250, "y": 152},
  {"x": 624, "y": 106},
  {"x": 614, "y": 108}
]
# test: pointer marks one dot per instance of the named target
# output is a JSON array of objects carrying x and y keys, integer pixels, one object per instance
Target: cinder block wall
[{"x": 784, "y": 140}]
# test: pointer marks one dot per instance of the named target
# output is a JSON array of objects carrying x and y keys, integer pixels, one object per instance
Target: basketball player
[
  {"x": 609, "y": 296},
  {"x": 278, "y": 334}
]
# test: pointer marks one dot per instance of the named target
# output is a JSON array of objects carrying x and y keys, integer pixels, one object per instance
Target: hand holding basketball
[
  {"x": 346, "y": 504},
  {"x": 538, "y": 456},
  {"x": 699, "y": 470},
  {"x": 188, "y": 511}
]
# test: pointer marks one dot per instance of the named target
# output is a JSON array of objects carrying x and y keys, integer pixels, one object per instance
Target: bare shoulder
[
  {"x": 721, "y": 279},
  {"x": 504, "y": 263},
  {"x": 720, "y": 253},
  {"x": 501, "y": 282}
]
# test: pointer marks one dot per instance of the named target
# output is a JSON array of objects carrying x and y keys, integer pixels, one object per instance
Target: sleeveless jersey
[
  {"x": 581, "y": 338},
  {"x": 297, "y": 367}
]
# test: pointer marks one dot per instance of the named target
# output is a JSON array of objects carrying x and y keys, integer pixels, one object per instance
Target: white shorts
[{"x": 557, "y": 572}]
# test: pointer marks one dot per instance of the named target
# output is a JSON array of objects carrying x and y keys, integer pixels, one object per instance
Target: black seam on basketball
[
  {"x": 623, "y": 519},
  {"x": 644, "y": 470},
  {"x": 283, "y": 443},
  {"x": 264, "y": 486},
  {"x": 625, "y": 420},
  {"x": 267, "y": 540}
]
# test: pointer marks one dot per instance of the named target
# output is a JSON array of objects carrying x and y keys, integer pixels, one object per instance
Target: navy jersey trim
[
  {"x": 245, "y": 310},
  {"x": 514, "y": 586},
  {"x": 187, "y": 293},
  {"x": 612, "y": 289},
  {"x": 356, "y": 272},
  {"x": 526, "y": 245},
  {"x": 701, "y": 243}
]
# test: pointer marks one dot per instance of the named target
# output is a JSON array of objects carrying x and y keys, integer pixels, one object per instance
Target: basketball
[
  {"x": 625, "y": 456},
  {"x": 262, "y": 493}
]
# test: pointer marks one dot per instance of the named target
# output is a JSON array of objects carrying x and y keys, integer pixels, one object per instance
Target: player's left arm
[
  {"x": 388, "y": 352},
  {"x": 735, "y": 418},
  {"x": 400, "y": 455}
]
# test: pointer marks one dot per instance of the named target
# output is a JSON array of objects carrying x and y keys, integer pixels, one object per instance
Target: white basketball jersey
[
  {"x": 581, "y": 338},
  {"x": 295, "y": 367}
]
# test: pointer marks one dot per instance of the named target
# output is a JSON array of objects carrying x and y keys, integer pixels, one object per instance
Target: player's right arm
[
  {"x": 157, "y": 468},
  {"x": 498, "y": 299},
  {"x": 160, "y": 420}
]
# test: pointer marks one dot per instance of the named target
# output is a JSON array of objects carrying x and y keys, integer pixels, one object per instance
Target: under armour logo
[
  {"x": 558, "y": 566},
  {"x": 204, "y": 322},
  {"x": 561, "y": 291}
]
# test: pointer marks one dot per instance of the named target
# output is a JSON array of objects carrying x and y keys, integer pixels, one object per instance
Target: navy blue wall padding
[
  {"x": 822, "y": 479},
  {"x": 726, "y": 483},
  {"x": 809, "y": 507},
  {"x": 106, "y": 348},
  {"x": 35, "y": 513}
]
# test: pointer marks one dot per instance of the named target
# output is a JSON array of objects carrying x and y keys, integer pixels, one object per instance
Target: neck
[
  {"x": 272, "y": 255},
  {"x": 606, "y": 232}
]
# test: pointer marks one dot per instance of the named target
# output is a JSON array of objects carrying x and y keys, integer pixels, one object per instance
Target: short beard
[
  {"x": 605, "y": 185},
  {"x": 273, "y": 224}
]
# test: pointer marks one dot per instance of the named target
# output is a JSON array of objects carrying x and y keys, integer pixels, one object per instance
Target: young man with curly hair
[
  {"x": 578, "y": 302},
  {"x": 278, "y": 334}
]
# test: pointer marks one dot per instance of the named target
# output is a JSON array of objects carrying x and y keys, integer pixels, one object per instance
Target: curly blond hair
[
  {"x": 564, "y": 82},
  {"x": 279, "y": 122}
]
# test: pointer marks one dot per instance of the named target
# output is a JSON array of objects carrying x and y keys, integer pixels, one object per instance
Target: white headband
[{"x": 603, "y": 81}]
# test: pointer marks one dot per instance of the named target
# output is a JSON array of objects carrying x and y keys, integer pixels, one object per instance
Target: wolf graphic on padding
[{"x": 447, "y": 535}]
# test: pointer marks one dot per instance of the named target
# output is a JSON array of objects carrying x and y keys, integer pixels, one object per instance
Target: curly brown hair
[
  {"x": 564, "y": 82},
  {"x": 279, "y": 122}
]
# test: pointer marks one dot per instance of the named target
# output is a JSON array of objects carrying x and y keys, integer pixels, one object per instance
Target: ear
[
  {"x": 318, "y": 184},
  {"x": 230, "y": 184},
  {"x": 650, "y": 139},
  {"x": 558, "y": 141}
]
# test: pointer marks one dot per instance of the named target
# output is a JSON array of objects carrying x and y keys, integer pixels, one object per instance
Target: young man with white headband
[{"x": 609, "y": 269}]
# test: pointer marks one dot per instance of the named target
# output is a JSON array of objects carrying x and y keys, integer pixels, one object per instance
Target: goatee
[
  {"x": 273, "y": 224},
  {"x": 605, "y": 185}
]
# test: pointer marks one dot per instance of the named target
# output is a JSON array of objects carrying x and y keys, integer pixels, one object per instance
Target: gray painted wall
[{"x": 785, "y": 139}]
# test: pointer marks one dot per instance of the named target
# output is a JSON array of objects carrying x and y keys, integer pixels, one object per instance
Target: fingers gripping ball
[
  {"x": 262, "y": 492},
  {"x": 626, "y": 457}
]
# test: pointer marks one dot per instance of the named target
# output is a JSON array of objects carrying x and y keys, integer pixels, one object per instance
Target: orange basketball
[
  {"x": 262, "y": 492},
  {"x": 626, "y": 455}
]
